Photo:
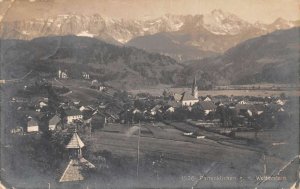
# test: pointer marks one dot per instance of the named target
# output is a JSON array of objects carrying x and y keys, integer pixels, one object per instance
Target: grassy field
[{"x": 183, "y": 156}]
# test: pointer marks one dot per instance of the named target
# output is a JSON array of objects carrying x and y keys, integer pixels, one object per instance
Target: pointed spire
[
  {"x": 75, "y": 142},
  {"x": 195, "y": 88},
  {"x": 194, "y": 82}
]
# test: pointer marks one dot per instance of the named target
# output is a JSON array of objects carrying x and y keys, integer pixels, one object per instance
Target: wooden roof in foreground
[{"x": 75, "y": 170}]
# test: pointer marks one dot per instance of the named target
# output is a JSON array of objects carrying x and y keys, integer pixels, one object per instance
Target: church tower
[
  {"x": 195, "y": 88},
  {"x": 59, "y": 73},
  {"x": 75, "y": 170}
]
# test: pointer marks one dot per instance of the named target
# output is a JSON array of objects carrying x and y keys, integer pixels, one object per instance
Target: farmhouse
[
  {"x": 32, "y": 125},
  {"x": 53, "y": 122},
  {"x": 207, "y": 107},
  {"x": 245, "y": 109},
  {"x": 85, "y": 75},
  {"x": 72, "y": 115},
  {"x": 98, "y": 86},
  {"x": 62, "y": 74}
]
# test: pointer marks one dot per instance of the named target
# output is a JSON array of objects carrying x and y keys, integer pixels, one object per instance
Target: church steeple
[{"x": 195, "y": 88}]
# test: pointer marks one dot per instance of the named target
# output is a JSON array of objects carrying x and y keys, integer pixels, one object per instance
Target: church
[{"x": 188, "y": 99}]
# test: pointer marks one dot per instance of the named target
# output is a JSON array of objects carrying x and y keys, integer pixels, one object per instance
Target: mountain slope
[
  {"x": 121, "y": 66},
  {"x": 170, "y": 44},
  {"x": 270, "y": 58}
]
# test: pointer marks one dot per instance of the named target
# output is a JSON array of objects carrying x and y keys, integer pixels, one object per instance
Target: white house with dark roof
[
  {"x": 207, "y": 107},
  {"x": 53, "y": 122},
  {"x": 32, "y": 125},
  {"x": 72, "y": 115}
]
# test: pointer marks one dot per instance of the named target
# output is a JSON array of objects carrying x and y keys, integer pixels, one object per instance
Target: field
[
  {"x": 80, "y": 89},
  {"x": 183, "y": 155},
  {"x": 258, "y": 93}
]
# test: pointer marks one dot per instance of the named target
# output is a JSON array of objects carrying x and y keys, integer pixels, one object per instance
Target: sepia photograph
[{"x": 156, "y": 94}]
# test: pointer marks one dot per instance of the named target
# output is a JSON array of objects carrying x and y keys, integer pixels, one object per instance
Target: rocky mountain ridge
[{"x": 201, "y": 33}]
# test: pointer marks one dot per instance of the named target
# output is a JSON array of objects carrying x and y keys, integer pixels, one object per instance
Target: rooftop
[
  {"x": 187, "y": 96},
  {"x": 207, "y": 105},
  {"x": 32, "y": 122},
  {"x": 73, "y": 112},
  {"x": 75, "y": 142},
  {"x": 75, "y": 170},
  {"x": 54, "y": 120}
]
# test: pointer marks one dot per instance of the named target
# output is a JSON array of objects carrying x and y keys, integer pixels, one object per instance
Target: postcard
[{"x": 149, "y": 94}]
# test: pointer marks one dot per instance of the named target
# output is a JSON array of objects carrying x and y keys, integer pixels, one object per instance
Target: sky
[{"x": 250, "y": 10}]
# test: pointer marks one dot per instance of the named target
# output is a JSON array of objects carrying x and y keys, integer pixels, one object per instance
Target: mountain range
[
  {"x": 182, "y": 37},
  {"x": 271, "y": 58}
]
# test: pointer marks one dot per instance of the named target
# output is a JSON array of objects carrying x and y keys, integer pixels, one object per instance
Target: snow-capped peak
[{"x": 223, "y": 23}]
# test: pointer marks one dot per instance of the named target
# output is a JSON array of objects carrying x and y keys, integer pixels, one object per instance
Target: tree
[
  {"x": 180, "y": 114},
  {"x": 197, "y": 113}
]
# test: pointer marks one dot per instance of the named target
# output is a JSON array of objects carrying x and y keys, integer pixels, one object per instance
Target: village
[{"x": 69, "y": 114}]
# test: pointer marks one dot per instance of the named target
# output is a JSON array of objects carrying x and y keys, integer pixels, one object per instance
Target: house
[
  {"x": 280, "y": 102},
  {"x": 207, "y": 99},
  {"x": 135, "y": 111},
  {"x": 243, "y": 102},
  {"x": 53, "y": 122},
  {"x": 170, "y": 109},
  {"x": 38, "y": 103},
  {"x": 274, "y": 107},
  {"x": 19, "y": 100},
  {"x": 86, "y": 106},
  {"x": 83, "y": 108},
  {"x": 155, "y": 109},
  {"x": 260, "y": 108},
  {"x": 72, "y": 115},
  {"x": 111, "y": 118},
  {"x": 207, "y": 106},
  {"x": 42, "y": 104},
  {"x": 102, "y": 105},
  {"x": 245, "y": 109},
  {"x": 98, "y": 86},
  {"x": 85, "y": 75},
  {"x": 76, "y": 102},
  {"x": 32, "y": 125},
  {"x": 62, "y": 74}
]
